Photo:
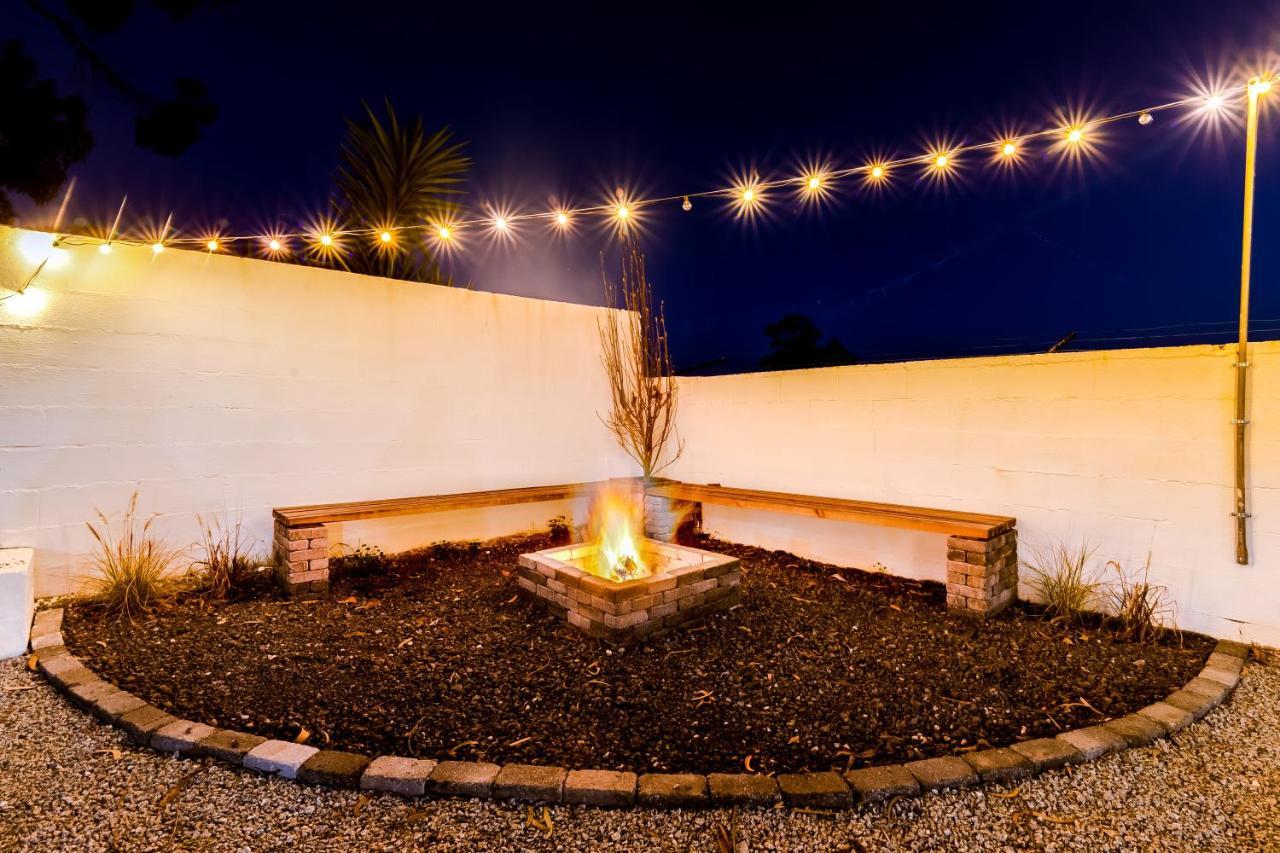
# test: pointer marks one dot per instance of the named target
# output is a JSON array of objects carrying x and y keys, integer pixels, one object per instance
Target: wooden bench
[
  {"x": 982, "y": 549},
  {"x": 301, "y": 541}
]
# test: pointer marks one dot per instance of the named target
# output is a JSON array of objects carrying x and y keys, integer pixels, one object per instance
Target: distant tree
[
  {"x": 393, "y": 175},
  {"x": 796, "y": 342},
  {"x": 166, "y": 126},
  {"x": 42, "y": 134}
]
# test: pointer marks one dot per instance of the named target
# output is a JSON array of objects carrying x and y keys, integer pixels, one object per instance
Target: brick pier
[
  {"x": 982, "y": 574},
  {"x": 301, "y": 557}
]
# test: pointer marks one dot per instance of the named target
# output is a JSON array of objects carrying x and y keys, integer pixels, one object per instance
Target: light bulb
[
  {"x": 157, "y": 248},
  {"x": 1075, "y": 135},
  {"x": 105, "y": 249},
  {"x": 274, "y": 245},
  {"x": 444, "y": 233},
  {"x": 622, "y": 211},
  {"x": 1009, "y": 149},
  {"x": 1145, "y": 118},
  {"x": 500, "y": 223},
  {"x": 877, "y": 172},
  {"x": 326, "y": 240},
  {"x": 686, "y": 205},
  {"x": 385, "y": 236},
  {"x": 562, "y": 219},
  {"x": 212, "y": 245}
]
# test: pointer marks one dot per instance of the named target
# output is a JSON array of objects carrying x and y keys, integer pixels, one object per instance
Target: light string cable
[{"x": 1071, "y": 135}]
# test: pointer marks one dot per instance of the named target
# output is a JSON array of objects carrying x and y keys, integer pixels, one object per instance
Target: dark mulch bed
[{"x": 817, "y": 668}]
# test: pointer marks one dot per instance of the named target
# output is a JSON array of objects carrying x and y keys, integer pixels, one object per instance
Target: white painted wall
[
  {"x": 1131, "y": 450},
  {"x": 221, "y": 384}
]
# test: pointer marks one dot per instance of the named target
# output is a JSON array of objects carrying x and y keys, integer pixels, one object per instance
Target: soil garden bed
[{"x": 818, "y": 668}]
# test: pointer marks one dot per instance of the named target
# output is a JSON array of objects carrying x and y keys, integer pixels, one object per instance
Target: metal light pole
[{"x": 1257, "y": 87}]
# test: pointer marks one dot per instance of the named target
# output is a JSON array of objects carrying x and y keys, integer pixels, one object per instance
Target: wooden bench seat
[
  {"x": 301, "y": 542},
  {"x": 982, "y": 552},
  {"x": 971, "y": 525}
]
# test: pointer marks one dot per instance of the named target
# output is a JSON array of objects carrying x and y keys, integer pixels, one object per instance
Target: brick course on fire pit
[{"x": 686, "y": 584}]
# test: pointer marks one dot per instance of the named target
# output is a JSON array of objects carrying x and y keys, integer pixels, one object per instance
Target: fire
[{"x": 615, "y": 525}]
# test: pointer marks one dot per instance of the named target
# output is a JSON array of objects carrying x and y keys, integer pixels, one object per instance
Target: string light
[
  {"x": 104, "y": 249},
  {"x": 212, "y": 245},
  {"x": 1075, "y": 135}
]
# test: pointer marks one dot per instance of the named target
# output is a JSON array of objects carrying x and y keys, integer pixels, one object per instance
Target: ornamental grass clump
[
  {"x": 1062, "y": 580},
  {"x": 227, "y": 562},
  {"x": 1140, "y": 609},
  {"x": 132, "y": 569}
]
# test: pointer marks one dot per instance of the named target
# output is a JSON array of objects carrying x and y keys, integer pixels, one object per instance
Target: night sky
[{"x": 1140, "y": 245}]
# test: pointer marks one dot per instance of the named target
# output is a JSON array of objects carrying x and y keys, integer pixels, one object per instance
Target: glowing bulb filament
[
  {"x": 1075, "y": 135},
  {"x": 444, "y": 233},
  {"x": 212, "y": 245},
  {"x": 385, "y": 236},
  {"x": 326, "y": 240},
  {"x": 157, "y": 248},
  {"x": 1008, "y": 149},
  {"x": 623, "y": 212},
  {"x": 500, "y": 223},
  {"x": 562, "y": 219}
]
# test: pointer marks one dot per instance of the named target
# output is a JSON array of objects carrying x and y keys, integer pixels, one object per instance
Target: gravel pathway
[{"x": 67, "y": 783}]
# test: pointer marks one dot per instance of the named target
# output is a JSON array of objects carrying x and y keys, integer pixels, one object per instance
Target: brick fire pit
[{"x": 686, "y": 584}]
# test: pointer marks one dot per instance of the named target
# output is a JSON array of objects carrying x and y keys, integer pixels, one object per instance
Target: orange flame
[{"x": 615, "y": 525}]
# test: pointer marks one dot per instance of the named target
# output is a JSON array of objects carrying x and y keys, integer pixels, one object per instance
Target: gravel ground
[{"x": 67, "y": 783}]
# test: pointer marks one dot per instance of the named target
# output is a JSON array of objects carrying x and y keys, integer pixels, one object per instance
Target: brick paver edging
[{"x": 413, "y": 777}]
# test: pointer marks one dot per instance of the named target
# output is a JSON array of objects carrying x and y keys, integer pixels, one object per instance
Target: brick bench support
[
  {"x": 301, "y": 556},
  {"x": 982, "y": 574}
]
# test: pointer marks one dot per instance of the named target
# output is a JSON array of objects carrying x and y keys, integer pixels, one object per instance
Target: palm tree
[{"x": 393, "y": 176}]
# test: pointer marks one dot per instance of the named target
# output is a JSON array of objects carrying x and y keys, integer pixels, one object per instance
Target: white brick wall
[
  {"x": 1130, "y": 449},
  {"x": 217, "y": 383}
]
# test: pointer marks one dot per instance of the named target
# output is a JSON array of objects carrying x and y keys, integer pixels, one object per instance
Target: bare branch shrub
[
  {"x": 637, "y": 361},
  {"x": 1142, "y": 611},
  {"x": 133, "y": 568},
  {"x": 1061, "y": 578},
  {"x": 227, "y": 561}
]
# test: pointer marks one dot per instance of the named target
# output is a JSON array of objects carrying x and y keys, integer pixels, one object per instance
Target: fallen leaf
[
  {"x": 746, "y": 762},
  {"x": 405, "y": 642},
  {"x": 839, "y": 577},
  {"x": 360, "y": 804},
  {"x": 304, "y": 735},
  {"x": 350, "y": 599},
  {"x": 102, "y": 643},
  {"x": 895, "y": 607},
  {"x": 115, "y": 754},
  {"x": 521, "y": 741},
  {"x": 512, "y": 600},
  {"x": 351, "y": 634},
  {"x": 31, "y": 663},
  {"x": 1008, "y": 795}
]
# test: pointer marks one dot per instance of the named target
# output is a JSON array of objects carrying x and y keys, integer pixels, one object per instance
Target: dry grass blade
[
  {"x": 226, "y": 561},
  {"x": 133, "y": 569},
  {"x": 1140, "y": 609},
  {"x": 173, "y": 793},
  {"x": 1062, "y": 580}
]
